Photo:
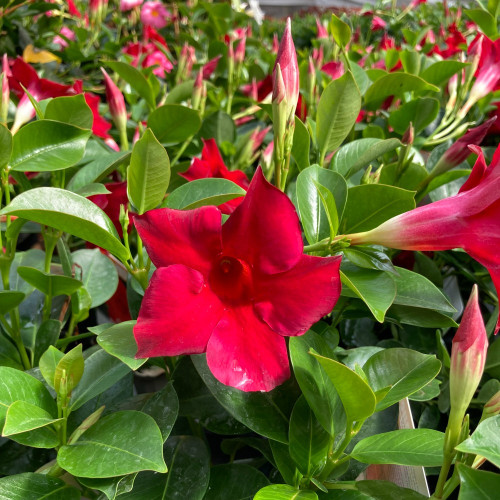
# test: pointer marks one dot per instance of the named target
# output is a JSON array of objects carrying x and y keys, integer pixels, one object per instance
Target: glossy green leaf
[
  {"x": 477, "y": 484},
  {"x": 395, "y": 84},
  {"x": 234, "y": 481},
  {"x": 5, "y": 146},
  {"x": 173, "y": 123},
  {"x": 484, "y": 441},
  {"x": 49, "y": 284},
  {"x": 219, "y": 126},
  {"x": 135, "y": 79},
  {"x": 97, "y": 170},
  {"x": 264, "y": 412},
  {"x": 148, "y": 174},
  {"x": 68, "y": 212},
  {"x": 69, "y": 370},
  {"x": 425, "y": 318},
  {"x": 9, "y": 300},
  {"x": 16, "y": 385},
  {"x": 112, "y": 487},
  {"x": 203, "y": 192},
  {"x": 403, "y": 370},
  {"x": 410, "y": 178},
  {"x": 308, "y": 442},
  {"x": 369, "y": 205},
  {"x": 375, "y": 288},
  {"x": 92, "y": 190},
  {"x": 301, "y": 144},
  {"x": 422, "y": 447},
  {"x": 369, "y": 258},
  {"x": 311, "y": 209},
  {"x": 188, "y": 474},
  {"x": 121, "y": 443},
  {"x": 340, "y": 31},
  {"x": 420, "y": 112},
  {"x": 48, "y": 364},
  {"x": 338, "y": 109},
  {"x": 356, "y": 395},
  {"x": 415, "y": 290},
  {"x": 100, "y": 373},
  {"x": 9, "y": 355},
  {"x": 70, "y": 109},
  {"x": 163, "y": 406},
  {"x": 410, "y": 60},
  {"x": 119, "y": 341},
  {"x": 360, "y": 153},
  {"x": 284, "y": 492},
  {"x": 23, "y": 417},
  {"x": 384, "y": 490},
  {"x": 484, "y": 20},
  {"x": 316, "y": 386},
  {"x": 181, "y": 92},
  {"x": 47, "y": 145},
  {"x": 31, "y": 486},
  {"x": 428, "y": 392},
  {"x": 440, "y": 72},
  {"x": 97, "y": 273}
]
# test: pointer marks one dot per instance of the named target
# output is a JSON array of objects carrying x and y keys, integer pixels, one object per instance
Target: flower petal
[
  {"x": 178, "y": 314},
  {"x": 245, "y": 353},
  {"x": 190, "y": 237},
  {"x": 264, "y": 229},
  {"x": 292, "y": 301}
]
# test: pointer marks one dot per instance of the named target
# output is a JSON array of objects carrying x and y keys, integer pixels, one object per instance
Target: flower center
[{"x": 231, "y": 279}]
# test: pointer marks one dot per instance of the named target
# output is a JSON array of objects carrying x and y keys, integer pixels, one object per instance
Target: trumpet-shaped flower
[
  {"x": 469, "y": 220},
  {"x": 155, "y": 14},
  {"x": 234, "y": 291}
]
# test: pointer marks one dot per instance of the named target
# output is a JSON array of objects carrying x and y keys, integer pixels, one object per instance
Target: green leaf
[
  {"x": 284, "y": 492},
  {"x": 421, "y": 112},
  {"x": 301, "y": 144},
  {"x": 31, "y": 486},
  {"x": 338, "y": 109},
  {"x": 69, "y": 367},
  {"x": 47, "y": 145},
  {"x": 440, "y": 72},
  {"x": 369, "y": 258},
  {"x": 375, "y": 288},
  {"x": 425, "y": 318},
  {"x": 48, "y": 364},
  {"x": 308, "y": 441},
  {"x": 121, "y": 443},
  {"x": 360, "y": 153},
  {"x": 311, "y": 209},
  {"x": 384, "y": 490},
  {"x": 423, "y": 447},
  {"x": 70, "y": 109},
  {"x": 477, "y": 484},
  {"x": 395, "y": 84},
  {"x": 484, "y": 441},
  {"x": 97, "y": 170},
  {"x": 9, "y": 300},
  {"x": 203, "y": 192},
  {"x": 100, "y": 373},
  {"x": 316, "y": 386},
  {"x": 5, "y": 146},
  {"x": 68, "y": 212},
  {"x": 119, "y": 341},
  {"x": 135, "y": 79},
  {"x": 173, "y": 123},
  {"x": 415, "y": 290},
  {"x": 181, "y": 92},
  {"x": 410, "y": 178},
  {"x": 403, "y": 370},
  {"x": 112, "y": 487},
  {"x": 234, "y": 481},
  {"x": 9, "y": 355},
  {"x": 188, "y": 464},
  {"x": 92, "y": 190},
  {"x": 357, "y": 397},
  {"x": 264, "y": 412},
  {"x": 49, "y": 284},
  {"x": 369, "y": 205},
  {"x": 16, "y": 385},
  {"x": 486, "y": 22},
  {"x": 219, "y": 126},
  {"x": 148, "y": 174},
  {"x": 340, "y": 31},
  {"x": 23, "y": 417},
  {"x": 98, "y": 274},
  {"x": 410, "y": 60}
]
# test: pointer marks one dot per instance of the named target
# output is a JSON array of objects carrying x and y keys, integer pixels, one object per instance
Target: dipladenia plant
[{"x": 236, "y": 259}]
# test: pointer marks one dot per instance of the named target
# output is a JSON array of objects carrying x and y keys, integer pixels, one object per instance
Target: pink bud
[
  {"x": 468, "y": 355},
  {"x": 322, "y": 32},
  {"x": 276, "y": 43},
  {"x": 239, "y": 54},
  {"x": 492, "y": 407},
  {"x": 257, "y": 137},
  {"x": 4, "y": 85},
  {"x": 115, "y": 101}
]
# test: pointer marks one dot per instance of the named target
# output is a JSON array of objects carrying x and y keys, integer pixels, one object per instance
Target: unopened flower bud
[
  {"x": 197, "y": 90},
  {"x": 116, "y": 102},
  {"x": 4, "y": 86},
  {"x": 409, "y": 135},
  {"x": 492, "y": 407},
  {"x": 239, "y": 54}
]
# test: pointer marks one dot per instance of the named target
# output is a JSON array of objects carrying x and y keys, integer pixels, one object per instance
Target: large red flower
[
  {"x": 211, "y": 164},
  {"x": 234, "y": 291},
  {"x": 469, "y": 220}
]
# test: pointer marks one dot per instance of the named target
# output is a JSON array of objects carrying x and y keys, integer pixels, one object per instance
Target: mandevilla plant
[{"x": 235, "y": 252}]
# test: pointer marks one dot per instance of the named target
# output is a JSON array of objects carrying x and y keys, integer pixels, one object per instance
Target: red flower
[
  {"x": 211, "y": 164},
  {"x": 110, "y": 203},
  {"x": 378, "y": 23},
  {"x": 233, "y": 291},
  {"x": 334, "y": 69},
  {"x": 469, "y": 220}
]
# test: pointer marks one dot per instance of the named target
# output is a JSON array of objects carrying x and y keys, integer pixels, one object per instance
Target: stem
[
  {"x": 62, "y": 343},
  {"x": 124, "y": 139},
  {"x": 181, "y": 150}
]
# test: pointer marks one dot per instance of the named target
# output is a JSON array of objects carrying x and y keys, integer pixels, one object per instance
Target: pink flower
[
  {"x": 210, "y": 66},
  {"x": 378, "y": 23},
  {"x": 211, "y": 164},
  {"x": 59, "y": 40},
  {"x": 322, "y": 31},
  {"x": 334, "y": 69},
  {"x": 155, "y": 14},
  {"x": 162, "y": 62},
  {"x": 126, "y": 5},
  {"x": 469, "y": 220},
  {"x": 234, "y": 291}
]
